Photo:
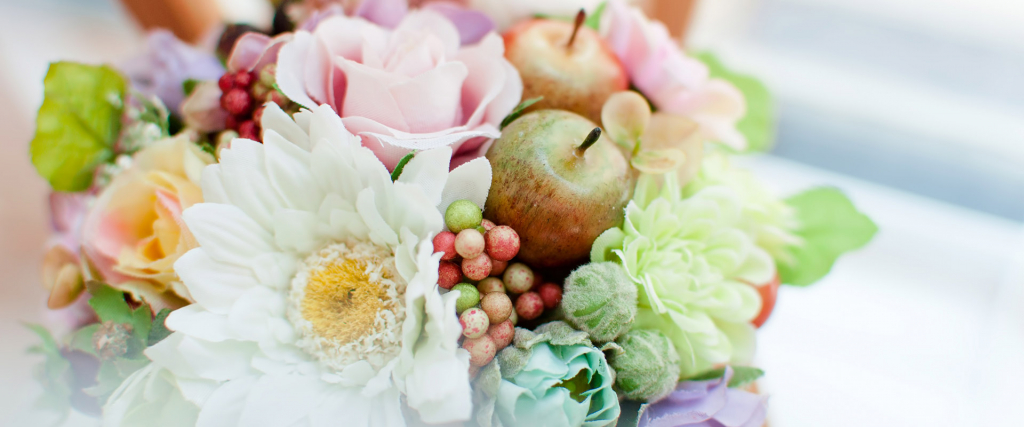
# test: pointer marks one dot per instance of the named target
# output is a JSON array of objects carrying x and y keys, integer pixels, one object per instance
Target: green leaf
[
  {"x": 741, "y": 375},
  {"x": 189, "y": 86},
  {"x": 594, "y": 20},
  {"x": 159, "y": 330},
  {"x": 78, "y": 123},
  {"x": 401, "y": 166},
  {"x": 758, "y": 125},
  {"x": 829, "y": 225},
  {"x": 109, "y": 304},
  {"x": 518, "y": 111},
  {"x": 81, "y": 339},
  {"x": 53, "y": 374}
]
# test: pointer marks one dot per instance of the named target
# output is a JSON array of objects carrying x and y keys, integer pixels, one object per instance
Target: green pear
[{"x": 559, "y": 183}]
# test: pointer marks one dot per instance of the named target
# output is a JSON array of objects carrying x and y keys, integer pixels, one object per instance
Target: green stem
[{"x": 591, "y": 138}]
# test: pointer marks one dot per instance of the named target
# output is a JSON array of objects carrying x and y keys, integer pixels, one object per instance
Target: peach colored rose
[
  {"x": 674, "y": 82},
  {"x": 412, "y": 88},
  {"x": 133, "y": 234}
]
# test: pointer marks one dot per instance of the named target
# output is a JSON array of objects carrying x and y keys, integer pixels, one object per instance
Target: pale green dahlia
[
  {"x": 693, "y": 261},
  {"x": 765, "y": 216}
]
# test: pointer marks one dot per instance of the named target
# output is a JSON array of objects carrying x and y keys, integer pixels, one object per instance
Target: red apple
[
  {"x": 577, "y": 75},
  {"x": 768, "y": 292}
]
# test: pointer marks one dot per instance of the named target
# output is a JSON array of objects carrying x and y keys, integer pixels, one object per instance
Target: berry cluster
[
  {"x": 243, "y": 94},
  {"x": 477, "y": 250}
]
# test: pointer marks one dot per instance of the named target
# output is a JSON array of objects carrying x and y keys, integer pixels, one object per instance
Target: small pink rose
[
  {"x": 674, "y": 82},
  {"x": 412, "y": 88}
]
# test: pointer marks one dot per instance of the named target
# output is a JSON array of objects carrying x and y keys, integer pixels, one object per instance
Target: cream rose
[{"x": 133, "y": 234}]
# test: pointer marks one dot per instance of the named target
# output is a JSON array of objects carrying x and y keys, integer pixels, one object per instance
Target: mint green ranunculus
[{"x": 559, "y": 386}]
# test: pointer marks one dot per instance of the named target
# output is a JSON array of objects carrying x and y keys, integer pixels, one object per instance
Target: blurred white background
[{"x": 914, "y": 107}]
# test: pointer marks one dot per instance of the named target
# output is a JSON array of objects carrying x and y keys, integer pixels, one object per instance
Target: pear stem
[
  {"x": 591, "y": 138},
  {"x": 580, "y": 17}
]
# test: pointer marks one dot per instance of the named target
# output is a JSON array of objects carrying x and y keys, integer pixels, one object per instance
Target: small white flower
[{"x": 316, "y": 285}]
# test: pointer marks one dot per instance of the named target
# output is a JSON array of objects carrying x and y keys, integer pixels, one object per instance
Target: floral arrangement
[{"x": 486, "y": 213}]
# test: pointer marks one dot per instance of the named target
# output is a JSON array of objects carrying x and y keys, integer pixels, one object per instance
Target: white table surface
[{"x": 922, "y": 328}]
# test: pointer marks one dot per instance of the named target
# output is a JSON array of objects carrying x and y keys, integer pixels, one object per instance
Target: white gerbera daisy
[{"x": 316, "y": 285}]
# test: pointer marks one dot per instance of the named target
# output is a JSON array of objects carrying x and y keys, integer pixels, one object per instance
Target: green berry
[
  {"x": 600, "y": 299},
  {"x": 647, "y": 369},
  {"x": 462, "y": 214},
  {"x": 469, "y": 297}
]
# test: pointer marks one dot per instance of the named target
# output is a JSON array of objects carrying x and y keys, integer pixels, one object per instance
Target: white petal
[
  {"x": 381, "y": 232},
  {"x": 215, "y": 286},
  {"x": 289, "y": 172},
  {"x": 195, "y": 321},
  {"x": 279, "y": 401},
  {"x": 275, "y": 119},
  {"x": 429, "y": 170},
  {"x": 246, "y": 183},
  {"x": 224, "y": 407},
  {"x": 226, "y": 233},
  {"x": 252, "y": 312},
  {"x": 213, "y": 185},
  {"x": 471, "y": 181},
  {"x": 298, "y": 231}
]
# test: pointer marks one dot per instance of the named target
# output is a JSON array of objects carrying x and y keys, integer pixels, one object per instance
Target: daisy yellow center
[
  {"x": 341, "y": 302},
  {"x": 347, "y": 303}
]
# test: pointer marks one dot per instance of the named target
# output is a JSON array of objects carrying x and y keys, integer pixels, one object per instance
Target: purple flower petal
[
  {"x": 706, "y": 404},
  {"x": 473, "y": 25}
]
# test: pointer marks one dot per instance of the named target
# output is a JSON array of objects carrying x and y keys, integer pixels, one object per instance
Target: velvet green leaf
[
  {"x": 78, "y": 123},
  {"x": 829, "y": 226},
  {"x": 741, "y": 375},
  {"x": 109, "y": 304},
  {"x": 594, "y": 19},
  {"x": 518, "y": 111},
  {"x": 159, "y": 330},
  {"x": 758, "y": 125}
]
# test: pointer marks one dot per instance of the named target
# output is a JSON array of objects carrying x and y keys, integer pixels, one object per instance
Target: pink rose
[
  {"x": 674, "y": 82},
  {"x": 412, "y": 88}
]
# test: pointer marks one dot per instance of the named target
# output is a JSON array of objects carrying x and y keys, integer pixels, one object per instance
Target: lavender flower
[
  {"x": 166, "y": 64},
  {"x": 706, "y": 404}
]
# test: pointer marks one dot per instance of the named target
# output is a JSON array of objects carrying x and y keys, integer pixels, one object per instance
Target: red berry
[
  {"x": 257, "y": 114},
  {"x": 497, "y": 305},
  {"x": 226, "y": 82},
  {"x": 502, "y": 243},
  {"x": 769, "y": 292},
  {"x": 244, "y": 79},
  {"x": 475, "y": 323},
  {"x": 529, "y": 306},
  {"x": 448, "y": 274},
  {"x": 487, "y": 224},
  {"x": 249, "y": 130},
  {"x": 469, "y": 243},
  {"x": 518, "y": 278},
  {"x": 231, "y": 123},
  {"x": 445, "y": 242},
  {"x": 502, "y": 334},
  {"x": 551, "y": 294},
  {"x": 498, "y": 267},
  {"x": 236, "y": 101},
  {"x": 490, "y": 284},
  {"x": 477, "y": 268},
  {"x": 481, "y": 350}
]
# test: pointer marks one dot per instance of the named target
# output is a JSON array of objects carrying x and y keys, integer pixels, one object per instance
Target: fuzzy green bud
[
  {"x": 462, "y": 214},
  {"x": 468, "y": 297},
  {"x": 647, "y": 369},
  {"x": 600, "y": 299}
]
